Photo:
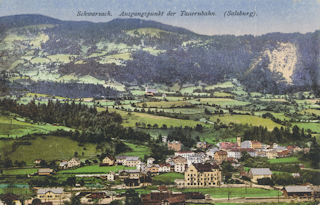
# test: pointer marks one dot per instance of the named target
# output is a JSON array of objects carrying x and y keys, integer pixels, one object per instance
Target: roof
[
  {"x": 221, "y": 153},
  {"x": 296, "y": 189},
  {"x": 111, "y": 158},
  {"x": 63, "y": 164},
  {"x": 255, "y": 142},
  {"x": 205, "y": 167},
  {"x": 9, "y": 197},
  {"x": 75, "y": 159},
  {"x": 185, "y": 151},
  {"x": 121, "y": 157},
  {"x": 132, "y": 158},
  {"x": 260, "y": 171},
  {"x": 176, "y": 142},
  {"x": 292, "y": 147},
  {"x": 178, "y": 157},
  {"x": 44, "y": 203},
  {"x": 199, "y": 143},
  {"x": 243, "y": 149},
  {"x": 53, "y": 190},
  {"x": 173, "y": 200},
  {"x": 46, "y": 170}
]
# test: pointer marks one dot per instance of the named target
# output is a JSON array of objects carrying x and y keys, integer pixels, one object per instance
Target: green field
[
  {"x": 95, "y": 169},
  {"x": 10, "y": 127},
  {"x": 189, "y": 90},
  {"x": 130, "y": 121},
  {"x": 310, "y": 112},
  {"x": 284, "y": 160},
  {"x": 168, "y": 177},
  {"x": 234, "y": 192},
  {"x": 17, "y": 191},
  {"x": 315, "y": 127},
  {"x": 227, "y": 84},
  {"x": 219, "y": 101},
  {"x": 166, "y": 104},
  {"x": 137, "y": 150},
  {"x": 19, "y": 171},
  {"x": 51, "y": 148},
  {"x": 245, "y": 119}
]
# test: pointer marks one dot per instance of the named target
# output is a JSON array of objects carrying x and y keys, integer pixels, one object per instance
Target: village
[{"x": 201, "y": 168}]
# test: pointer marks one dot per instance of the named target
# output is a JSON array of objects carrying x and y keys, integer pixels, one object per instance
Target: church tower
[{"x": 239, "y": 140}]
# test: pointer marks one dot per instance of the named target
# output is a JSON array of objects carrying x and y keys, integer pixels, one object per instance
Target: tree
[
  {"x": 36, "y": 201},
  {"x": 244, "y": 156},
  {"x": 76, "y": 154},
  {"x": 73, "y": 201},
  {"x": 116, "y": 202},
  {"x": 132, "y": 198}
]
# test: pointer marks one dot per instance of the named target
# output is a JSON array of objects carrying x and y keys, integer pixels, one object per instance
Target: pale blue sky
[{"x": 285, "y": 16}]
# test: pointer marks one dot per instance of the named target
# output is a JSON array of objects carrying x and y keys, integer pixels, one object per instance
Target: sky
[{"x": 286, "y": 16}]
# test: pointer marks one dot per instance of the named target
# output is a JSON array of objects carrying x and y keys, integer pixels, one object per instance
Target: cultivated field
[
  {"x": 245, "y": 119},
  {"x": 95, "y": 169}
]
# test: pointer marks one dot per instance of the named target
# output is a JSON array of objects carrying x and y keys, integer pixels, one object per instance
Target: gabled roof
[
  {"x": 184, "y": 152},
  {"x": 260, "y": 171},
  {"x": 9, "y": 197},
  {"x": 111, "y": 158},
  {"x": 132, "y": 158},
  {"x": 205, "y": 167},
  {"x": 295, "y": 189},
  {"x": 221, "y": 153},
  {"x": 46, "y": 170},
  {"x": 53, "y": 190},
  {"x": 121, "y": 157}
]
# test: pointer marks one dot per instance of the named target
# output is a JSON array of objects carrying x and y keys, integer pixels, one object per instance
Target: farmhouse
[
  {"x": 121, "y": 159},
  {"x": 272, "y": 154},
  {"x": 110, "y": 176},
  {"x": 108, "y": 160},
  {"x": 48, "y": 194},
  {"x": 259, "y": 173},
  {"x": 150, "y": 160},
  {"x": 10, "y": 199},
  {"x": 74, "y": 162},
  {"x": 132, "y": 161},
  {"x": 202, "y": 145},
  {"x": 151, "y": 92}
]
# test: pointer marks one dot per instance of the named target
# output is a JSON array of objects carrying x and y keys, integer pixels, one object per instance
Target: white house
[
  {"x": 194, "y": 159},
  {"x": 184, "y": 154},
  {"x": 164, "y": 168},
  {"x": 246, "y": 144},
  {"x": 150, "y": 161},
  {"x": 179, "y": 167},
  {"x": 74, "y": 162},
  {"x": 110, "y": 176}
]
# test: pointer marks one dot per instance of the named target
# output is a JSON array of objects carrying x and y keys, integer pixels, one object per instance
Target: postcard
[{"x": 171, "y": 102}]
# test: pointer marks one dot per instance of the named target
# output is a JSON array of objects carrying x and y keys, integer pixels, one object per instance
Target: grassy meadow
[
  {"x": 245, "y": 119},
  {"x": 48, "y": 148}
]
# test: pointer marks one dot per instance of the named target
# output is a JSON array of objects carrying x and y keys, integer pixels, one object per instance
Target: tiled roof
[
  {"x": 121, "y": 157},
  {"x": 205, "y": 167},
  {"x": 221, "y": 153},
  {"x": 53, "y": 190},
  {"x": 260, "y": 171},
  {"x": 9, "y": 197},
  {"x": 296, "y": 189},
  {"x": 47, "y": 170},
  {"x": 132, "y": 158}
]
